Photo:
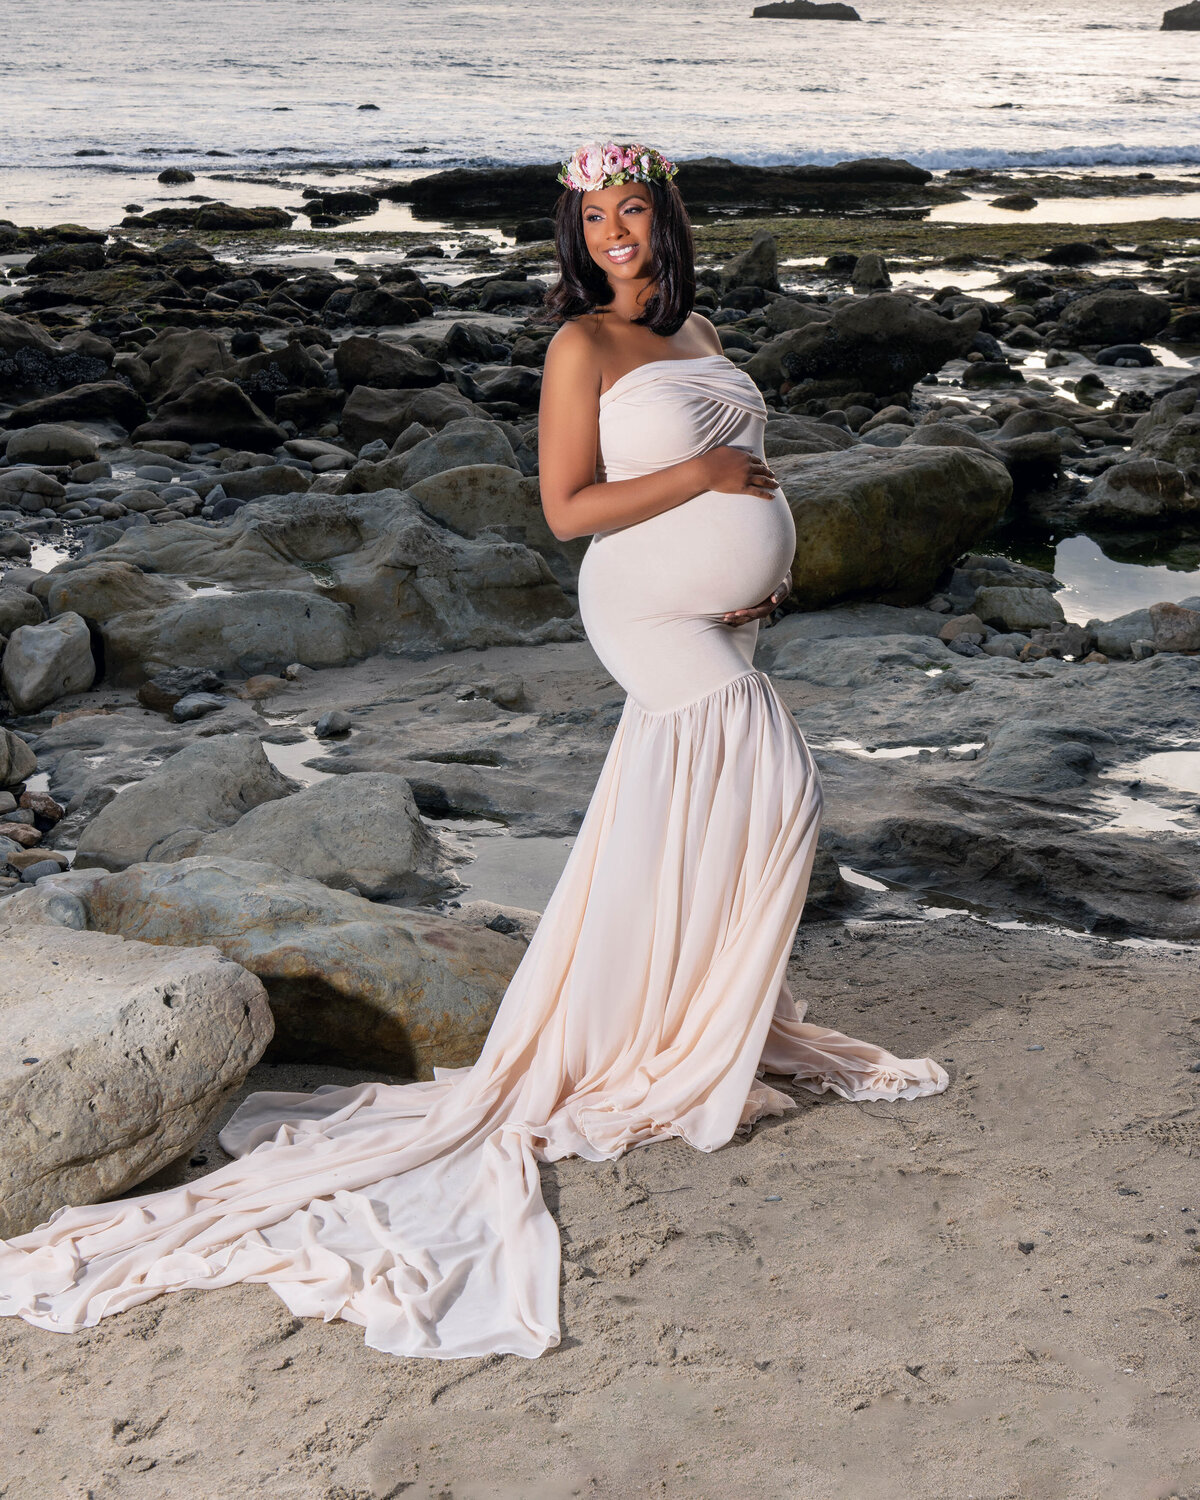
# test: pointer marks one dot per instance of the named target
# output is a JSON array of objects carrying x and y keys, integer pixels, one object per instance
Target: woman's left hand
[{"x": 767, "y": 607}]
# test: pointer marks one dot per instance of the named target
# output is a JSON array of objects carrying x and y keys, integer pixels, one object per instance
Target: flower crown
[{"x": 605, "y": 164}]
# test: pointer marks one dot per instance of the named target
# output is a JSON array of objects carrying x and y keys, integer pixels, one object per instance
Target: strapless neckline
[{"x": 693, "y": 359}]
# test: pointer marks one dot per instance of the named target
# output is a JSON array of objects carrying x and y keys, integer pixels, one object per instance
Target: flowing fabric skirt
[{"x": 649, "y": 999}]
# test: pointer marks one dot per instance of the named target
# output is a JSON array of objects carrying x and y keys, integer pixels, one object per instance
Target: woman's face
[{"x": 616, "y": 229}]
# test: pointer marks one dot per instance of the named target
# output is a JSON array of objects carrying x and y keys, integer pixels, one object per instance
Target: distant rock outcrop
[
  {"x": 1182, "y": 18},
  {"x": 805, "y": 10}
]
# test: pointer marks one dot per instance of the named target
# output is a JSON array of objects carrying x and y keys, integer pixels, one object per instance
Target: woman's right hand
[{"x": 735, "y": 471}]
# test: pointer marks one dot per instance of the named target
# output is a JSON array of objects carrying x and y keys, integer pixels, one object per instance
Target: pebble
[{"x": 1037, "y": 1047}]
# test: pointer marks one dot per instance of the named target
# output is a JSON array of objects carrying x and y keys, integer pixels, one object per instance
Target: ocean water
[{"x": 278, "y": 83}]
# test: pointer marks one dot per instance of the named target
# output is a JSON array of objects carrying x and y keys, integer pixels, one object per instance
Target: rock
[
  {"x": 881, "y": 344},
  {"x": 1175, "y": 628},
  {"x": 217, "y": 411},
  {"x": 136, "y": 1049},
  {"x": 1182, "y": 17},
  {"x": 334, "y": 722},
  {"x": 177, "y": 358},
  {"x": 382, "y": 307},
  {"x": 947, "y": 435},
  {"x": 259, "y": 631},
  {"x": 29, "y": 489},
  {"x": 197, "y": 706},
  {"x": 31, "y": 364},
  {"x": 886, "y": 523},
  {"x": 1017, "y": 201},
  {"x": 200, "y": 789},
  {"x": 18, "y": 607},
  {"x": 349, "y": 982},
  {"x": 1113, "y": 317},
  {"x": 49, "y": 443},
  {"x": 962, "y": 625},
  {"x": 1126, "y": 356},
  {"x": 370, "y": 414},
  {"x": 17, "y": 760},
  {"x": 99, "y": 401},
  {"x": 1020, "y": 609},
  {"x": 807, "y": 10},
  {"x": 795, "y": 434},
  {"x": 467, "y": 442},
  {"x": 357, "y": 832},
  {"x": 1115, "y": 638},
  {"x": 990, "y": 373},
  {"x": 482, "y": 497},
  {"x": 1039, "y": 757},
  {"x": 265, "y": 479},
  {"x": 103, "y": 587},
  {"x": 163, "y": 692},
  {"x": 758, "y": 265},
  {"x": 856, "y": 661},
  {"x": 1136, "y": 491},
  {"x": 45, "y": 662},
  {"x": 384, "y": 366},
  {"x": 1170, "y": 432},
  {"x": 870, "y": 273},
  {"x": 223, "y": 216},
  {"x": 412, "y": 587}
]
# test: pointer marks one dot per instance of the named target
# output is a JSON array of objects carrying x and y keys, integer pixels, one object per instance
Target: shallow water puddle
[
  {"x": 48, "y": 555},
  {"x": 1099, "y": 587},
  {"x": 501, "y": 867},
  {"x": 899, "y": 752},
  {"x": 291, "y": 759}
]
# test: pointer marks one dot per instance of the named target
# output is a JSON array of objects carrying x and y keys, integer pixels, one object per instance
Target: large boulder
[
  {"x": 18, "y": 607},
  {"x": 1113, "y": 317},
  {"x": 179, "y": 358},
  {"x": 350, "y": 982},
  {"x": 371, "y": 414},
  {"x": 116, "y": 1057},
  {"x": 45, "y": 662},
  {"x": 413, "y": 586},
  {"x": 212, "y": 411},
  {"x": 1170, "y": 432},
  {"x": 807, "y": 10},
  {"x": 31, "y": 363},
  {"x": 259, "y": 631},
  {"x": 758, "y": 265},
  {"x": 462, "y": 443},
  {"x": 384, "y": 366},
  {"x": 104, "y": 587},
  {"x": 1137, "y": 491},
  {"x": 51, "y": 443},
  {"x": 1182, "y": 17},
  {"x": 357, "y": 832},
  {"x": 885, "y": 523},
  {"x": 95, "y": 401},
  {"x": 880, "y": 344},
  {"x": 200, "y": 789}
]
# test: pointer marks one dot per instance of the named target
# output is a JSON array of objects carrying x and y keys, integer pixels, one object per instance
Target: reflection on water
[{"x": 1098, "y": 586}]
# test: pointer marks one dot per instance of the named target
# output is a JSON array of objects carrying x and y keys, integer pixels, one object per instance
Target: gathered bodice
[{"x": 669, "y": 410}]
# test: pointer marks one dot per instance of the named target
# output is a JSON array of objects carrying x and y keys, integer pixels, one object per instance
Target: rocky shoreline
[{"x": 279, "y": 605}]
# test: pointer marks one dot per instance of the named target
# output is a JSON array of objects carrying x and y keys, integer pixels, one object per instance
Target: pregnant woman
[{"x": 651, "y": 998}]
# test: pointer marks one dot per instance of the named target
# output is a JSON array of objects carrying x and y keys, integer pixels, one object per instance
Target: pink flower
[
  {"x": 588, "y": 163},
  {"x": 645, "y": 163},
  {"x": 613, "y": 159}
]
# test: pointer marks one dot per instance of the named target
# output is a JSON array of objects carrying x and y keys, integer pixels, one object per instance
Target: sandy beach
[{"x": 991, "y": 1294}]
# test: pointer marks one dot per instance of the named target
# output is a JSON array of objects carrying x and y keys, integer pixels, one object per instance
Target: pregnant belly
[{"x": 713, "y": 553}]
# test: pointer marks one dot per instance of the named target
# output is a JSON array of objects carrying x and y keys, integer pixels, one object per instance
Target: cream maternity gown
[{"x": 647, "y": 1004}]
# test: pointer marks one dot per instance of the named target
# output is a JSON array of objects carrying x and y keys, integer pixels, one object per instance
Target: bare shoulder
[
  {"x": 700, "y": 326},
  {"x": 572, "y": 353}
]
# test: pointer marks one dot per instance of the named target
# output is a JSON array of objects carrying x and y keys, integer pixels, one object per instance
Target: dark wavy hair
[{"x": 582, "y": 286}]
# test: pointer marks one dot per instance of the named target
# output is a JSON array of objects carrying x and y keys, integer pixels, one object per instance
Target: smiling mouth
[{"x": 623, "y": 253}]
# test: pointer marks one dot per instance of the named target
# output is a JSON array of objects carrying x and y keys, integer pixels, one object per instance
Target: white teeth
[{"x": 624, "y": 253}]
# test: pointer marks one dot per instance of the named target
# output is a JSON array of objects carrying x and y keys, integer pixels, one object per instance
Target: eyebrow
[{"x": 636, "y": 197}]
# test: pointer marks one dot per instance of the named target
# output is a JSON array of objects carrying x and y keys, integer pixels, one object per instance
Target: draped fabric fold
[{"x": 649, "y": 1002}]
